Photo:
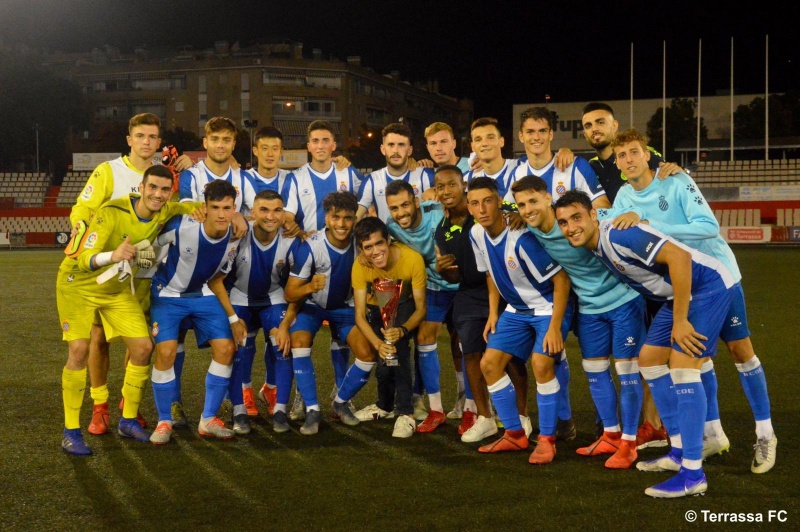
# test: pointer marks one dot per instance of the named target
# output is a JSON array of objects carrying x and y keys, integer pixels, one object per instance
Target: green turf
[{"x": 351, "y": 478}]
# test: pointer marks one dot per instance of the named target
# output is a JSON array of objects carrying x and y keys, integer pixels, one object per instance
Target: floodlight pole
[{"x": 36, "y": 127}]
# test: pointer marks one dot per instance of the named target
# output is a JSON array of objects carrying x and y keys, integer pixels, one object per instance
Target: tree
[
  {"x": 784, "y": 117},
  {"x": 681, "y": 126},
  {"x": 31, "y": 100},
  {"x": 182, "y": 139}
]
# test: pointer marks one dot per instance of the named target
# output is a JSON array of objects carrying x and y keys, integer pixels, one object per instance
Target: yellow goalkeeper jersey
[
  {"x": 110, "y": 180},
  {"x": 115, "y": 220}
]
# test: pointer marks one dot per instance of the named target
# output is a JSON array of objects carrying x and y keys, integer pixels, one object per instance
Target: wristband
[
  {"x": 102, "y": 259},
  {"x": 405, "y": 331},
  {"x": 233, "y": 319}
]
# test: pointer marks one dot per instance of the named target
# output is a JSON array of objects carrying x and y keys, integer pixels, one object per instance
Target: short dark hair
[
  {"x": 575, "y": 197},
  {"x": 485, "y": 121},
  {"x": 536, "y": 113},
  {"x": 597, "y": 106},
  {"x": 397, "y": 186},
  {"x": 268, "y": 195},
  {"x": 219, "y": 189},
  {"x": 220, "y": 123},
  {"x": 398, "y": 129},
  {"x": 318, "y": 125},
  {"x": 144, "y": 119},
  {"x": 448, "y": 168},
  {"x": 483, "y": 182},
  {"x": 340, "y": 201},
  {"x": 267, "y": 132},
  {"x": 367, "y": 226},
  {"x": 529, "y": 182},
  {"x": 158, "y": 170}
]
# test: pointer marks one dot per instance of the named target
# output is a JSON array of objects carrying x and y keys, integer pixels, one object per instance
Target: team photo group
[{"x": 504, "y": 257}]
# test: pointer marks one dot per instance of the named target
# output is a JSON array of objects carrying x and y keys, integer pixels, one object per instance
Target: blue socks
[
  {"x": 660, "y": 382},
  {"x": 604, "y": 394},
  {"x": 340, "y": 356},
  {"x": 563, "y": 376},
  {"x": 180, "y": 356},
  {"x": 630, "y": 395},
  {"x": 547, "y": 398},
  {"x": 692, "y": 407},
  {"x": 504, "y": 397},
  {"x": 217, "y": 380},
  {"x": 164, "y": 383},
  {"x": 305, "y": 375},
  {"x": 754, "y": 382},
  {"x": 355, "y": 379}
]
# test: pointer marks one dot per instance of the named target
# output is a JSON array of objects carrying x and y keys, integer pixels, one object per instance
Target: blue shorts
[
  {"x": 735, "y": 327},
  {"x": 618, "y": 332},
  {"x": 706, "y": 314},
  {"x": 267, "y": 317},
  {"x": 521, "y": 335},
  {"x": 310, "y": 318},
  {"x": 438, "y": 303},
  {"x": 208, "y": 318}
]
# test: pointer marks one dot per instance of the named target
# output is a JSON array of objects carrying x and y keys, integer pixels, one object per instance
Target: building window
[
  {"x": 201, "y": 82},
  {"x": 223, "y": 105},
  {"x": 245, "y": 82},
  {"x": 178, "y": 106},
  {"x": 223, "y": 78},
  {"x": 377, "y": 116}
]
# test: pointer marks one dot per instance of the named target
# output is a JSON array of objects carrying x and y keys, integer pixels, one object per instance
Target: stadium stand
[
  {"x": 70, "y": 188},
  {"x": 28, "y": 189},
  {"x": 712, "y": 174}
]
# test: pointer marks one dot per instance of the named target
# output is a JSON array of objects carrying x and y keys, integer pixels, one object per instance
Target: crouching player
[
  {"x": 320, "y": 276},
  {"x": 398, "y": 262},
  {"x": 179, "y": 291},
  {"x": 256, "y": 278},
  {"x": 109, "y": 241},
  {"x": 536, "y": 320},
  {"x": 698, "y": 291}
]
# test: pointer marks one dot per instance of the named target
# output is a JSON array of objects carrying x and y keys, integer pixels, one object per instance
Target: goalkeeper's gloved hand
[{"x": 145, "y": 254}]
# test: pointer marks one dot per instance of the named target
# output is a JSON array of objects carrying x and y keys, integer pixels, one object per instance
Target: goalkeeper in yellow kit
[{"x": 85, "y": 288}]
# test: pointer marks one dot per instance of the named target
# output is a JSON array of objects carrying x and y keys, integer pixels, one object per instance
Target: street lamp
[{"x": 251, "y": 125}]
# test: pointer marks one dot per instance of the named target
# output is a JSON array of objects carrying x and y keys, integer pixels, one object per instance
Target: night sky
[{"x": 496, "y": 53}]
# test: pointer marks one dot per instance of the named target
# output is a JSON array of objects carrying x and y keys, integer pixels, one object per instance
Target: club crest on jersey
[
  {"x": 511, "y": 263},
  {"x": 237, "y": 191},
  {"x": 416, "y": 190},
  {"x": 91, "y": 240},
  {"x": 662, "y": 203},
  {"x": 342, "y": 186},
  {"x": 232, "y": 253},
  {"x": 65, "y": 326},
  {"x": 87, "y": 192},
  {"x": 154, "y": 329},
  {"x": 619, "y": 266},
  {"x": 560, "y": 188}
]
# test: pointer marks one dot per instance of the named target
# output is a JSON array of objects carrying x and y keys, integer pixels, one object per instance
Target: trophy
[{"x": 387, "y": 292}]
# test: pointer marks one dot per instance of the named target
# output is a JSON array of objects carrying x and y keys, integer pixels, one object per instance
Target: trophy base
[{"x": 391, "y": 361}]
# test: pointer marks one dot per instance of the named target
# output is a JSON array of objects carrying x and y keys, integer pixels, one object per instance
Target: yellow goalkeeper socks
[
  {"x": 99, "y": 394},
  {"x": 73, "y": 386},
  {"x": 133, "y": 389}
]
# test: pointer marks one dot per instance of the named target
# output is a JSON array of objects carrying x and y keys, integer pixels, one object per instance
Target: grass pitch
[{"x": 362, "y": 478}]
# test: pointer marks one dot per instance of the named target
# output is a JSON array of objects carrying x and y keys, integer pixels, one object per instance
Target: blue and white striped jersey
[
  {"x": 519, "y": 266},
  {"x": 193, "y": 183},
  {"x": 305, "y": 189},
  {"x": 193, "y": 258},
  {"x": 260, "y": 182},
  {"x": 422, "y": 239},
  {"x": 373, "y": 189},
  {"x": 631, "y": 254},
  {"x": 259, "y": 272},
  {"x": 503, "y": 178},
  {"x": 578, "y": 176},
  {"x": 317, "y": 255}
]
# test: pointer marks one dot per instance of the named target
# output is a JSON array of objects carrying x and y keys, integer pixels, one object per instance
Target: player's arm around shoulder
[{"x": 95, "y": 193}]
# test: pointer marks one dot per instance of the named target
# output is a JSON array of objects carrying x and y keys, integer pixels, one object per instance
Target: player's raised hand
[
  {"x": 445, "y": 262},
  {"x": 514, "y": 221},
  {"x": 425, "y": 163},
  {"x": 317, "y": 283},
  {"x": 564, "y": 157},
  {"x": 183, "y": 162},
  {"x": 626, "y": 220},
  {"x": 125, "y": 251},
  {"x": 341, "y": 162},
  {"x": 666, "y": 169}
]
